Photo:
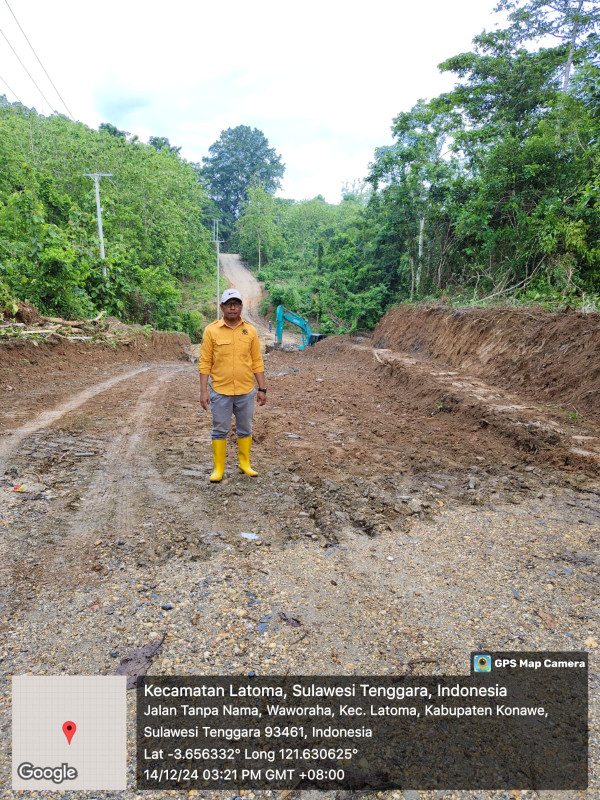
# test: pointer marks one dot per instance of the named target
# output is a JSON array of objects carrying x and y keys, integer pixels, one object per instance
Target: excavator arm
[{"x": 308, "y": 337}]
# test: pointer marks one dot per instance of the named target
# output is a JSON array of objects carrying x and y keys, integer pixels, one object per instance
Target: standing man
[{"x": 230, "y": 355}]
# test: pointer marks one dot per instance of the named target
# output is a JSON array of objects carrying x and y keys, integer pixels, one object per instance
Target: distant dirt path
[{"x": 241, "y": 278}]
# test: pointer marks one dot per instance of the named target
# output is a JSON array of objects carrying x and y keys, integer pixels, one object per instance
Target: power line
[
  {"x": 38, "y": 58},
  {"x": 9, "y": 89},
  {"x": 26, "y": 70}
]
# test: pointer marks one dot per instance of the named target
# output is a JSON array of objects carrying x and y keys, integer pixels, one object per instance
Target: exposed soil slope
[{"x": 547, "y": 357}]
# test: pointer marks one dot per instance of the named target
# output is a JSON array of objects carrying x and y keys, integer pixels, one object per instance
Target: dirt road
[
  {"x": 241, "y": 278},
  {"x": 399, "y": 524}
]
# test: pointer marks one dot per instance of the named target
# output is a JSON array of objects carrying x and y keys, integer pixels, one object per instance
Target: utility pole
[
  {"x": 217, "y": 241},
  {"x": 96, "y": 176}
]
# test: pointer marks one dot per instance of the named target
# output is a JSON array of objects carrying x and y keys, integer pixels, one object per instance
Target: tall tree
[
  {"x": 414, "y": 174},
  {"x": 574, "y": 23},
  {"x": 240, "y": 158},
  {"x": 160, "y": 143},
  {"x": 256, "y": 225},
  {"x": 529, "y": 147},
  {"x": 504, "y": 90}
]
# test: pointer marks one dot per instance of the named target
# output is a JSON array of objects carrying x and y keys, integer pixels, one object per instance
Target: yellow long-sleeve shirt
[{"x": 231, "y": 356}]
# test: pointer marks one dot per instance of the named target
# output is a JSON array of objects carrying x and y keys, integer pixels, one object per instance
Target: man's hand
[
  {"x": 261, "y": 397},
  {"x": 204, "y": 392}
]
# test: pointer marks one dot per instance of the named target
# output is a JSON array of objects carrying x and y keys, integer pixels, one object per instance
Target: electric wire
[
  {"x": 40, "y": 63},
  {"x": 26, "y": 70},
  {"x": 12, "y": 91}
]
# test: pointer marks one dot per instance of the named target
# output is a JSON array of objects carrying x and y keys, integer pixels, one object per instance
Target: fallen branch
[
  {"x": 74, "y": 323},
  {"x": 59, "y": 321},
  {"x": 504, "y": 290},
  {"x": 35, "y": 331},
  {"x": 340, "y": 323},
  {"x": 83, "y": 330}
]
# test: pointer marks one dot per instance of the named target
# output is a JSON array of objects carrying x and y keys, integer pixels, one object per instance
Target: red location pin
[{"x": 69, "y": 729}]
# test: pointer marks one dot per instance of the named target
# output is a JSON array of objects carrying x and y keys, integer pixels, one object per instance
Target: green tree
[
  {"x": 529, "y": 146},
  {"x": 112, "y": 130},
  {"x": 574, "y": 23},
  {"x": 503, "y": 90},
  {"x": 153, "y": 219},
  {"x": 162, "y": 143},
  {"x": 239, "y": 158},
  {"x": 415, "y": 174},
  {"x": 38, "y": 260},
  {"x": 257, "y": 232}
]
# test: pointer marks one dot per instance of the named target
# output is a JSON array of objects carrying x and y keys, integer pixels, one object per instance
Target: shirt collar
[{"x": 222, "y": 324}]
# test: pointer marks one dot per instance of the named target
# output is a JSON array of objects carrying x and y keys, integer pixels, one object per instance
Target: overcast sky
[{"x": 322, "y": 79}]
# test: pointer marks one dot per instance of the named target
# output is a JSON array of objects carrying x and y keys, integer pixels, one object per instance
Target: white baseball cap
[{"x": 231, "y": 294}]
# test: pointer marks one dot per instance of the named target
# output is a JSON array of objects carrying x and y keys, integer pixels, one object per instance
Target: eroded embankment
[
  {"x": 548, "y": 357},
  {"x": 27, "y": 364}
]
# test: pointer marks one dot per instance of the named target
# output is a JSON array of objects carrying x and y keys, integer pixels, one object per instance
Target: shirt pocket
[
  {"x": 223, "y": 344},
  {"x": 245, "y": 344}
]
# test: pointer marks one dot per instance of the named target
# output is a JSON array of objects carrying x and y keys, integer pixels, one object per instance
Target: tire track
[
  {"x": 118, "y": 485},
  {"x": 102, "y": 508},
  {"x": 46, "y": 418}
]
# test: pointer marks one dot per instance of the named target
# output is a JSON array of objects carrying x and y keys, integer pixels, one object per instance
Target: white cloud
[{"x": 322, "y": 79}]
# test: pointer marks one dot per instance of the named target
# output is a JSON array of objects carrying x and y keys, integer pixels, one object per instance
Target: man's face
[{"x": 232, "y": 311}]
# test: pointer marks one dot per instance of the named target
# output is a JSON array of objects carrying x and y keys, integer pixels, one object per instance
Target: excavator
[{"x": 308, "y": 337}]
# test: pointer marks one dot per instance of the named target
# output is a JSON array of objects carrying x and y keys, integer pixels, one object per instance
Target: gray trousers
[{"x": 223, "y": 406}]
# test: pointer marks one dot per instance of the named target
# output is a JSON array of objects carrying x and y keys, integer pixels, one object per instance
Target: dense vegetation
[
  {"x": 240, "y": 158},
  {"x": 312, "y": 257},
  {"x": 152, "y": 214},
  {"x": 491, "y": 190}
]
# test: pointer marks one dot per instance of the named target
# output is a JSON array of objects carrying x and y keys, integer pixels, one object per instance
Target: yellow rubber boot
[
  {"x": 244, "y": 446},
  {"x": 219, "y": 448}
]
